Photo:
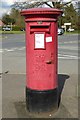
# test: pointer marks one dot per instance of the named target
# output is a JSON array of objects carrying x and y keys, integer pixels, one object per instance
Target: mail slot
[
  {"x": 39, "y": 26},
  {"x": 41, "y": 58}
]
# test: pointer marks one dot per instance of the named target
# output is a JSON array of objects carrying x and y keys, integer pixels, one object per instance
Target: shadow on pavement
[
  {"x": 61, "y": 82},
  {"x": 24, "y": 113}
]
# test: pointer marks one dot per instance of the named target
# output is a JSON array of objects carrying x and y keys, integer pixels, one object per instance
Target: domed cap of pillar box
[{"x": 42, "y": 12}]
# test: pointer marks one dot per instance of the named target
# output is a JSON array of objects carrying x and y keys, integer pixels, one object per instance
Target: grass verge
[
  {"x": 12, "y": 32},
  {"x": 74, "y": 32},
  {"x": 22, "y": 32}
]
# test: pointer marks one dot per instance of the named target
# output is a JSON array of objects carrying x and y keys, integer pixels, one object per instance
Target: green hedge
[
  {"x": 0, "y": 28},
  {"x": 16, "y": 28}
]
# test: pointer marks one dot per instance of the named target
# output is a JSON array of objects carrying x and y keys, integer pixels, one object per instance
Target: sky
[{"x": 5, "y": 5}]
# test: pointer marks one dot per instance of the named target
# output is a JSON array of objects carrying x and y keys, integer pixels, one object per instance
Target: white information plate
[
  {"x": 48, "y": 39},
  {"x": 39, "y": 40}
]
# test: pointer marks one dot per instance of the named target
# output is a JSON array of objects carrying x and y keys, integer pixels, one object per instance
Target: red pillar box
[{"x": 41, "y": 58}]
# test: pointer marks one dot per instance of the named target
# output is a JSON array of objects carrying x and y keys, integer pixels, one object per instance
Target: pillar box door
[{"x": 41, "y": 58}]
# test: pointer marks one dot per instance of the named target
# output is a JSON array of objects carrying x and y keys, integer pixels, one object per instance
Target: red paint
[{"x": 40, "y": 74}]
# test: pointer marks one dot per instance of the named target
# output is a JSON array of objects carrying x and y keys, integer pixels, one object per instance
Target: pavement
[
  {"x": 14, "y": 105},
  {"x": 14, "y": 77}
]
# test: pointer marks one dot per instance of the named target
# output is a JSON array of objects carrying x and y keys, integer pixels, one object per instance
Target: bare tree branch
[
  {"x": 33, "y": 3},
  {"x": 48, "y": 4}
]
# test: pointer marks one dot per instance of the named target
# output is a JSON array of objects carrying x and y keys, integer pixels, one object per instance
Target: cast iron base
[{"x": 41, "y": 101}]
